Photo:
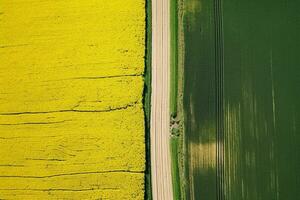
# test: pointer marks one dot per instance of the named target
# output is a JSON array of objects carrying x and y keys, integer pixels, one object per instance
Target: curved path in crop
[{"x": 160, "y": 118}]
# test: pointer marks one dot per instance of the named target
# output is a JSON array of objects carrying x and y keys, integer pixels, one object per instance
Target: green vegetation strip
[
  {"x": 147, "y": 99},
  {"x": 174, "y": 57},
  {"x": 175, "y": 170},
  {"x": 174, "y": 143}
]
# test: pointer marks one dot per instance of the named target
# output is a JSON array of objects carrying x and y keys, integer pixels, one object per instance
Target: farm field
[
  {"x": 241, "y": 103},
  {"x": 71, "y": 90}
]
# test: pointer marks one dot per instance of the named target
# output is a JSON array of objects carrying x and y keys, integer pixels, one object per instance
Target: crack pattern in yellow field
[{"x": 71, "y": 113}]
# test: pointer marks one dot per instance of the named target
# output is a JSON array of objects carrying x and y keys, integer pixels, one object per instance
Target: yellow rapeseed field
[{"x": 71, "y": 114}]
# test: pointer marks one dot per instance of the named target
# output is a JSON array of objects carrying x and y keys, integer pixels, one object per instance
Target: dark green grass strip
[
  {"x": 175, "y": 170},
  {"x": 174, "y": 143},
  {"x": 147, "y": 99},
  {"x": 174, "y": 57}
]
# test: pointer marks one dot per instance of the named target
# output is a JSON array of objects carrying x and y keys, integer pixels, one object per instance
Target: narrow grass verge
[
  {"x": 147, "y": 98},
  {"x": 174, "y": 57},
  {"x": 175, "y": 169},
  {"x": 175, "y": 126}
]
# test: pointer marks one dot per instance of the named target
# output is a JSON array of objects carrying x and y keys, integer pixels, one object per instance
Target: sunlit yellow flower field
[{"x": 71, "y": 114}]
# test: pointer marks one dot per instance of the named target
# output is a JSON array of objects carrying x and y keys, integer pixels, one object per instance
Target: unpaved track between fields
[{"x": 160, "y": 117}]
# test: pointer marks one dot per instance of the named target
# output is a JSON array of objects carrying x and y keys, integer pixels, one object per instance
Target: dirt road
[{"x": 160, "y": 120}]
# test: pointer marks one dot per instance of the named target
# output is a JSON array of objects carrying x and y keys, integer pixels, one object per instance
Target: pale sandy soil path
[{"x": 160, "y": 120}]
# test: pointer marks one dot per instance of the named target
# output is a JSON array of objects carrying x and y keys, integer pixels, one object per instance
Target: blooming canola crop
[{"x": 71, "y": 86}]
